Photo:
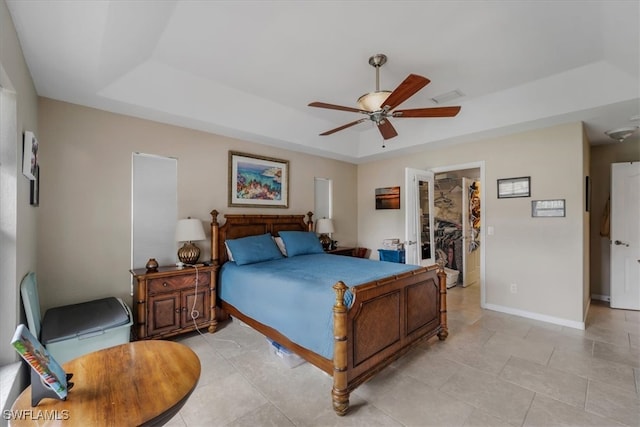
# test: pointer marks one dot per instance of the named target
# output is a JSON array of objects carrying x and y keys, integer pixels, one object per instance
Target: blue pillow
[
  {"x": 252, "y": 249},
  {"x": 301, "y": 243}
]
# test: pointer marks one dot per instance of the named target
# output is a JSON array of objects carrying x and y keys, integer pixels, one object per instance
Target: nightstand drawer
[{"x": 167, "y": 284}]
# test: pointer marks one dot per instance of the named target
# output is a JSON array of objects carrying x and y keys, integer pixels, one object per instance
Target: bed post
[
  {"x": 340, "y": 392},
  {"x": 310, "y": 221},
  {"x": 442, "y": 276},
  {"x": 214, "y": 237}
]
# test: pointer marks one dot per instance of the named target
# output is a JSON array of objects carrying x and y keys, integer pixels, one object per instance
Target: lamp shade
[
  {"x": 324, "y": 226},
  {"x": 373, "y": 101},
  {"x": 189, "y": 230}
]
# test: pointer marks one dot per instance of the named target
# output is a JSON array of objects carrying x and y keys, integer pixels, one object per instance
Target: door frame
[{"x": 483, "y": 197}]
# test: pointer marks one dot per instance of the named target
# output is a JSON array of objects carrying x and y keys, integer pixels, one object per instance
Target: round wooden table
[{"x": 138, "y": 383}]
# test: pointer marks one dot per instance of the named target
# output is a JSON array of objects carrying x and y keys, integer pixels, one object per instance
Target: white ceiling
[{"x": 248, "y": 69}]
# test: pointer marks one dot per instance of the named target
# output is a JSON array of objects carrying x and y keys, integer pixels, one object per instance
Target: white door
[
  {"x": 419, "y": 246},
  {"x": 470, "y": 233},
  {"x": 625, "y": 236}
]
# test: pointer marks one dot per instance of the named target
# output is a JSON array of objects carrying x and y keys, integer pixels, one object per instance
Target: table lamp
[
  {"x": 324, "y": 227},
  {"x": 189, "y": 230}
]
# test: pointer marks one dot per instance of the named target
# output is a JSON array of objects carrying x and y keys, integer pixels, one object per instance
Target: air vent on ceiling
[{"x": 448, "y": 96}]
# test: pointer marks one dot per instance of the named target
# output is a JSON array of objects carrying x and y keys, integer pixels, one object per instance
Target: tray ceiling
[{"x": 248, "y": 69}]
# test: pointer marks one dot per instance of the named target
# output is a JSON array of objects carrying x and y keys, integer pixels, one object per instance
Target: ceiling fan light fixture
[
  {"x": 372, "y": 101},
  {"x": 622, "y": 133}
]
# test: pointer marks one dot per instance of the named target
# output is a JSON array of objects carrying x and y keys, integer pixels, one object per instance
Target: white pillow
[
  {"x": 280, "y": 244},
  {"x": 229, "y": 254}
]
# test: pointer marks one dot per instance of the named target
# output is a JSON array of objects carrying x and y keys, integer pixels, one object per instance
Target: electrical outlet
[{"x": 514, "y": 288}]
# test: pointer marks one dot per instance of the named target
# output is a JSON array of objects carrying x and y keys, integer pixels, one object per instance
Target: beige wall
[
  {"x": 601, "y": 158},
  {"x": 543, "y": 256},
  {"x": 18, "y": 218},
  {"x": 84, "y": 231}
]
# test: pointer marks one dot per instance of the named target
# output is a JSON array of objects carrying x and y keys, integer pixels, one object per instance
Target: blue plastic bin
[{"x": 391, "y": 255}]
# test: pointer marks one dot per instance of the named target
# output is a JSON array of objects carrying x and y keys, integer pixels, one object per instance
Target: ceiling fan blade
[
  {"x": 386, "y": 129},
  {"x": 336, "y": 107},
  {"x": 348, "y": 125},
  {"x": 428, "y": 112},
  {"x": 405, "y": 90}
]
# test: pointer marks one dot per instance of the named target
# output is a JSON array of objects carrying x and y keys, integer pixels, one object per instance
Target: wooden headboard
[{"x": 237, "y": 226}]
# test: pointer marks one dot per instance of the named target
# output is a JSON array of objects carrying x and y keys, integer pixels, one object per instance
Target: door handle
[
  {"x": 618, "y": 242},
  {"x": 410, "y": 242}
]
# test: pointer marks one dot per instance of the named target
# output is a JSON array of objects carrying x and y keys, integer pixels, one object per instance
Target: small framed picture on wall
[
  {"x": 514, "y": 187},
  {"x": 388, "y": 198},
  {"x": 29, "y": 155},
  {"x": 548, "y": 208}
]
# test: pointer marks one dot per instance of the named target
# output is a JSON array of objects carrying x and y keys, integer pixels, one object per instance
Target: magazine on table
[{"x": 40, "y": 360}]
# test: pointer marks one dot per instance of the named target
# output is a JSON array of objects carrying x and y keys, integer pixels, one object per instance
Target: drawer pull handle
[
  {"x": 177, "y": 310},
  {"x": 165, "y": 284}
]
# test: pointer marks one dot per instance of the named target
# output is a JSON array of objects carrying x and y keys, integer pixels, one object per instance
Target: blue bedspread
[{"x": 295, "y": 295}]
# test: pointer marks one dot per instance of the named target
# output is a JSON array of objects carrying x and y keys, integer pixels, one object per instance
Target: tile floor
[{"x": 493, "y": 370}]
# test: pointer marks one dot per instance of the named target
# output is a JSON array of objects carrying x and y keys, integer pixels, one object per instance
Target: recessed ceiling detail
[{"x": 249, "y": 72}]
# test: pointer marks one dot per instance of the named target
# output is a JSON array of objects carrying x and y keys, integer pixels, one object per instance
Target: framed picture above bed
[{"x": 258, "y": 181}]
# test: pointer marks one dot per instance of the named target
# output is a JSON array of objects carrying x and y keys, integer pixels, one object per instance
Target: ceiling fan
[{"x": 379, "y": 106}]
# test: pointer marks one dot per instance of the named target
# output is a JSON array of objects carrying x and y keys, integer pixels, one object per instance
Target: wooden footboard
[{"x": 385, "y": 320}]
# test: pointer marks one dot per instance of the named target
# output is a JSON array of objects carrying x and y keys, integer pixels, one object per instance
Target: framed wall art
[
  {"x": 388, "y": 198},
  {"x": 548, "y": 208},
  {"x": 514, "y": 187},
  {"x": 258, "y": 181},
  {"x": 29, "y": 155}
]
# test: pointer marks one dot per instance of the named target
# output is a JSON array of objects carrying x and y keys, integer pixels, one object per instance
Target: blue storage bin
[
  {"x": 391, "y": 255},
  {"x": 73, "y": 330}
]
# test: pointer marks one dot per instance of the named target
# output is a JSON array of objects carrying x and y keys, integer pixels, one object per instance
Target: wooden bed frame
[{"x": 386, "y": 319}]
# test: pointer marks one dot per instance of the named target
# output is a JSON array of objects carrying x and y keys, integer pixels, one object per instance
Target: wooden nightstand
[
  {"x": 342, "y": 251},
  {"x": 166, "y": 301}
]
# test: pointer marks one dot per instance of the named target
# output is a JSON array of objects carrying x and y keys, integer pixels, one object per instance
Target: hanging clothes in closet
[{"x": 448, "y": 241}]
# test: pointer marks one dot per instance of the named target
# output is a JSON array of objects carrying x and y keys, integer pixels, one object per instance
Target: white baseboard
[
  {"x": 606, "y": 298},
  {"x": 536, "y": 316}
]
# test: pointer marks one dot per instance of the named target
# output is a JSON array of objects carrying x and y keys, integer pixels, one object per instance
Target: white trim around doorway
[{"x": 483, "y": 236}]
